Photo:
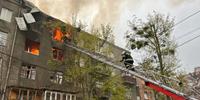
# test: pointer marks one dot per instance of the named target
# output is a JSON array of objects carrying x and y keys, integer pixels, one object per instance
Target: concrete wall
[{"x": 10, "y": 29}]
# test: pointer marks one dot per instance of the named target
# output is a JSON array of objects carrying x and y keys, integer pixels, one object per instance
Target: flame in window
[
  {"x": 57, "y": 34},
  {"x": 32, "y": 47},
  {"x": 35, "y": 51}
]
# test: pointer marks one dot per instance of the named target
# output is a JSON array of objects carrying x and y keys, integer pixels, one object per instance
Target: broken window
[
  {"x": 57, "y": 54},
  {"x": 29, "y": 18},
  {"x": 57, "y": 34},
  {"x": 21, "y": 23},
  {"x": 3, "y": 38},
  {"x": 28, "y": 71},
  {"x": 32, "y": 47},
  {"x": 57, "y": 78},
  {"x": 6, "y": 15}
]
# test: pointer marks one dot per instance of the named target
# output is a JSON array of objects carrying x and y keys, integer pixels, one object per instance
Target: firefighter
[{"x": 127, "y": 60}]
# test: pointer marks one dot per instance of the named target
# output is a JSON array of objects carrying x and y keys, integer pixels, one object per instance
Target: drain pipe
[{"x": 10, "y": 60}]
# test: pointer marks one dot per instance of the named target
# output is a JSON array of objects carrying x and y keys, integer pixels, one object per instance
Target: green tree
[
  {"x": 153, "y": 37},
  {"x": 96, "y": 79}
]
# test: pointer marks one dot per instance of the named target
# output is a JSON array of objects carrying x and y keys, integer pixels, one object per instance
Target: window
[
  {"x": 146, "y": 95},
  {"x": 64, "y": 96},
  {"x": 57, "y": 54},
  {"x": 32, "y": 47},
  {"x": 57, "y": 78},
  {"x": 29, "y": 18},
  {"x": 26, "y": 95},
  {"x": 1, "y": 64},
  {"x": 28, "y": 71},
  {"x": 3, "y": 38},
  {"x": 53, "y": 95},
  {"x": 129, "y": 93},
  {"x": 6, "y": 15},
  {"x": 138, "y": 97},
  {"x": 68, "y": 97},
  {"x": 82, "y": 62},
  {"x": 57, "y": 34},
  {"x": 21, "y": 23}
]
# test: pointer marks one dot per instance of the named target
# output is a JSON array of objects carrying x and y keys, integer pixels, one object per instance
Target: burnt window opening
[
  {"x": 56, "y": 77},
  {"x": 28, "y": 71},
  {"x": 22, "y": 94},
  {"x": 37, "y": 15},
  {"x": 57, "y": 54},
  {"x": 57, "y": 34},
  {"x": 32, "y": 47}
]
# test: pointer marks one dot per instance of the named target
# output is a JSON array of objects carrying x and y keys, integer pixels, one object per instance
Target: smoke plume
[
  {"x": 176, "y": 3},
  {"x": 93, "y": 11}
]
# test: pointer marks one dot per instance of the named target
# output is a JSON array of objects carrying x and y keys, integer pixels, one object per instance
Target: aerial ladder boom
[{"x": 176, "y": 95}]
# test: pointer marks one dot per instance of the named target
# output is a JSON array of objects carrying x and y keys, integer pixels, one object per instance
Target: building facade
[
  {"x": 26, "y": 48},
  {"x": 193, "y": 80}
]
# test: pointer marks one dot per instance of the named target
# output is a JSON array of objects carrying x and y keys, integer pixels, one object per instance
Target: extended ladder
[{"x": 176, "y": 95}]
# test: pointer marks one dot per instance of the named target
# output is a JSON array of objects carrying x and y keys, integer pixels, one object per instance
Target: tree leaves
[
  {"x": 138, "y": 44},
  {"x": 153, "y": 35},
  {"x": 140, "y": 32}
]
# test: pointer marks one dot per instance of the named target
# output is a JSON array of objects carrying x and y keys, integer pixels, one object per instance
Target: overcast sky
[{"x": 118, "y": 12}]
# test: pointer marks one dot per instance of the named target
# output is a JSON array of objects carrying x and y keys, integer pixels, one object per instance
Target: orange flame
[
  {"x": 57, "y": 34},
  {"x": 35, "y": 51},
  {"x": 32, "y": 47},
  {"x": 35, "y": 48}
]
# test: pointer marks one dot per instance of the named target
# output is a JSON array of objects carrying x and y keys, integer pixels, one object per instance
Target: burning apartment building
[{"x": 27, "y": 46}]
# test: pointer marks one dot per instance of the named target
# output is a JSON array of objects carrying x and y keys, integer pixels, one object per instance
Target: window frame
[
  {"x": 59, "y": 54},
  {"x": 3, "y": 38},
  {"x": 62, "y": 96},
  {"x": 6, "y": 14},
  {"x": 28, "y": 46},
  {"x": 57, "y": 77},
  {"x": 146, "y": 97},
  {"x": 28, "y": 71}
]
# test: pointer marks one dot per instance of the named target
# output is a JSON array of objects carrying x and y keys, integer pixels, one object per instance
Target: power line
[
  {"x": 181, "y": 21},
  {"x": 187, "y": 18},
  {"x": 188, "y": 33},
  {"x": 188, "y": 41}
]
